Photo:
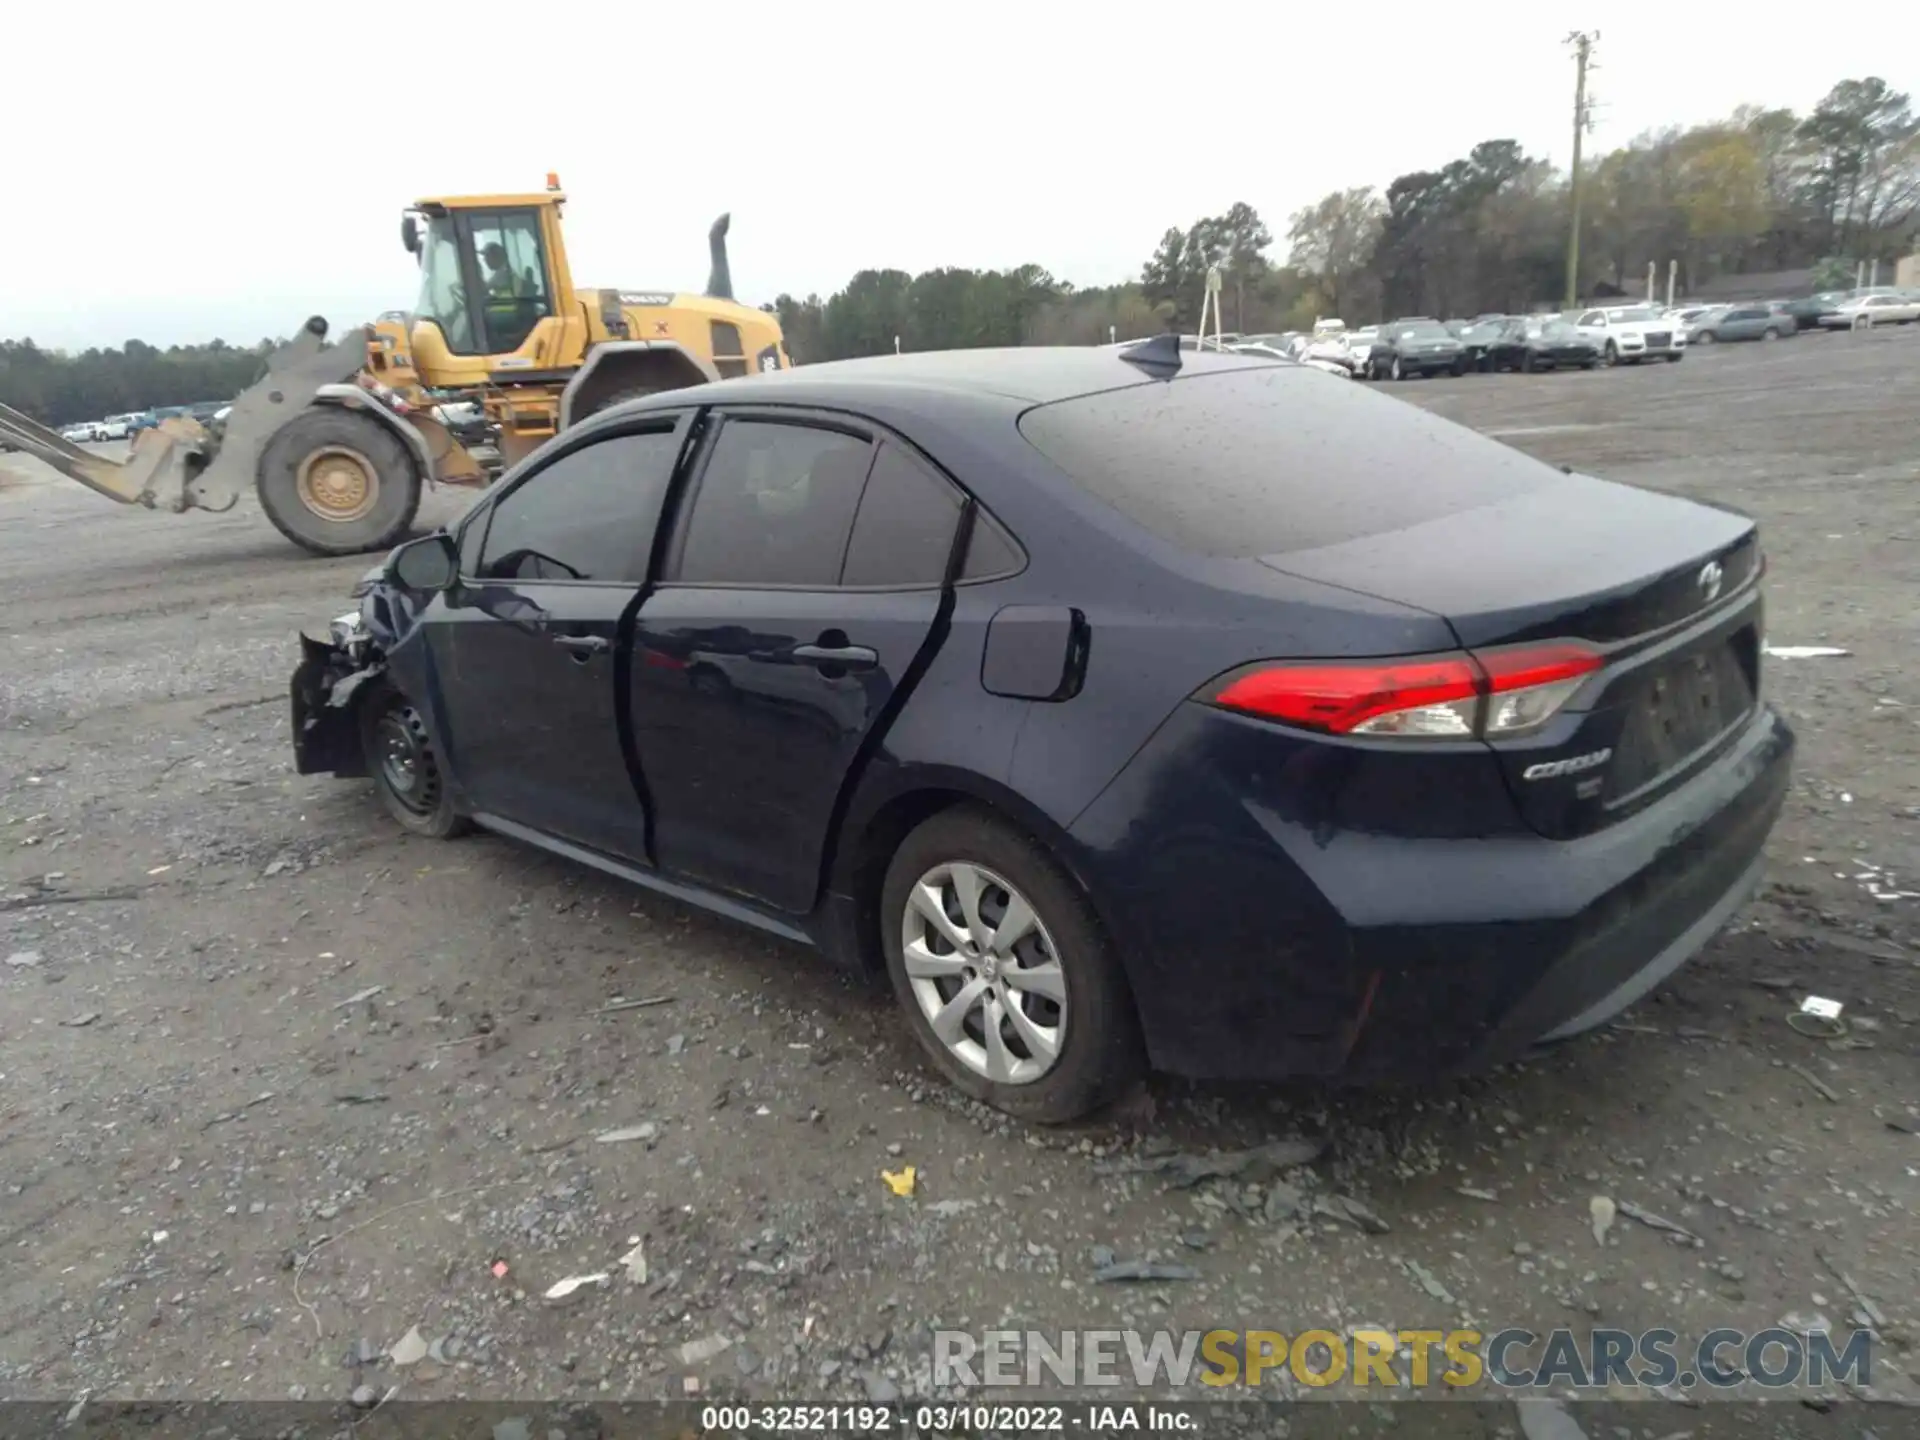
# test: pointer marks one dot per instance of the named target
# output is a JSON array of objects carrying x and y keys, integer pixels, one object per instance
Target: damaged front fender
[
  {"x": 335, "y": 676},
  {"x": 328, "y": 685}
]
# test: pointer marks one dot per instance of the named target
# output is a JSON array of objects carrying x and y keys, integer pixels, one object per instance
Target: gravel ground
[{"x": 281, "y": 1087}]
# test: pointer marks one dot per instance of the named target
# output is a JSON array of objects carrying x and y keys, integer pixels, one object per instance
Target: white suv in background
[{"x": 1632, "y": 333}]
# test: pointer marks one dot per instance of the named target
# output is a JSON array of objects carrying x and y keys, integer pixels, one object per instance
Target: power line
[{"x": 1582, "y": 42}]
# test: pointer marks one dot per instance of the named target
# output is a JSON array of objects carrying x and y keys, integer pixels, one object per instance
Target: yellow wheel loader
[{"x": 340, "y": 440}]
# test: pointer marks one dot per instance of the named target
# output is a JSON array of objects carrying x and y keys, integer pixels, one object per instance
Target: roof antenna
[{"x": 1158, "y": 356}]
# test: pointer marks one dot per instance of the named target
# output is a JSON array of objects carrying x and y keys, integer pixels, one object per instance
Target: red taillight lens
[
  {"x": 1344, "y": 698},
  {"x": 1492, "y": 693}
]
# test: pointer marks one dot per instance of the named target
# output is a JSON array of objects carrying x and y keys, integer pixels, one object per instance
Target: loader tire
[
  {"x": 619, "y": 397},
  {"x": 337, "y": 483}
]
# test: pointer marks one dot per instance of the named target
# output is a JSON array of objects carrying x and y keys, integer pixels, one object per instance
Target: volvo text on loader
[{"x": 340, "y": 440}]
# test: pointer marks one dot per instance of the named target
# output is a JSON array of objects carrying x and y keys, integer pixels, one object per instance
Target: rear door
[
  {"x": 526, "y": 646},
  {"x": 802, "y": 585}
]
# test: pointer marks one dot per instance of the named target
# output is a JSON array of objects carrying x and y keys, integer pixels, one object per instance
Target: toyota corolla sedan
[{"x": 1124, "y": 708}]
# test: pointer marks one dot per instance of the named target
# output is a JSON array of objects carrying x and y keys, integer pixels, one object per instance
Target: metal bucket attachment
[
  {"x": 295, "y": 374},
  {"x": 179, "y": 464},
  {"x": 154, "y": 473}
]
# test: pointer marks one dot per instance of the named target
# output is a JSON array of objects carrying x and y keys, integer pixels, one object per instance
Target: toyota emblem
[{"x": 1709, "y": 581}]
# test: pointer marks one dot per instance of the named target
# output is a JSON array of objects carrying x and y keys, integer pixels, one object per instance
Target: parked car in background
[
  {"x": 1360, "y": 346},
  {"x": 1415, "y": 346},
  {"x": 1540, "y": 343},
  {"x": 1371, "y": 747},
  {"x": 1864, "y": 311},
  {"x": 84, "y": 432},
  {"x": 1810, "y": 312},
  {"x": 1628, "y": 334},
  {"x": 114, "y": 427},
  {"x": 1741, "y": 322},
  {"x": 1479, "y": 335}
]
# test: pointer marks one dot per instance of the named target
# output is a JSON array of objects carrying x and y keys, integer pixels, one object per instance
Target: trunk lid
[{"x": 1665, "y": 588}]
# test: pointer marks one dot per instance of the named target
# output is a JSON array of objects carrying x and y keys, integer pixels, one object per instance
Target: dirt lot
[{"x": 278, "y": 1085}]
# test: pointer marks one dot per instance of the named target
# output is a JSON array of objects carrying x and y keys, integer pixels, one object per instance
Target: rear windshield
[{"x": 1268, "y": 460}]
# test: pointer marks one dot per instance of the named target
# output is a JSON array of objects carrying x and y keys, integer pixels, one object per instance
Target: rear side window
[
  {"x": 1268, "y": 459},
  {"x": 590, "y": 515},
  {"x": 774, "y": 506},
  {"x": 903, "y": 534}
]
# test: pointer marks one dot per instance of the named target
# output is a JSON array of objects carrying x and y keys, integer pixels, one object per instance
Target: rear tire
[
  {"x": 405, "y": 767},
  {"x": 1098, "y": 1052},
  {"x": 1704, "y": 337},
  {"x": 337, "y": 482}
]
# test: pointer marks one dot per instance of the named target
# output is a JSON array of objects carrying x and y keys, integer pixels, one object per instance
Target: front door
[
  {"x": 528, "y": 647},
  {"x": 803, "y": 583}
]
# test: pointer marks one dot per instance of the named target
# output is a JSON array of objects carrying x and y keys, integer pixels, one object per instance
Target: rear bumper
[{"x": 1260, "y": 946}]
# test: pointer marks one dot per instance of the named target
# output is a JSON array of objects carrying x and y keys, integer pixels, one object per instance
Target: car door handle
[
  {"x": 847, "y": 657},
  {"x": 583, "y": 646}
]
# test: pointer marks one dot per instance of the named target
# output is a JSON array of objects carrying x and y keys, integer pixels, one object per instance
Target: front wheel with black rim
[
  {"x": 1611, "y": 355},
  {"x": 406, "y": 768},
  {"x": 1005, "y": 975}
]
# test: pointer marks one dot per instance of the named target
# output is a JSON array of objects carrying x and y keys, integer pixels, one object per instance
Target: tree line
[
  {"x": 1760, "y": 191},
  {"x": 56, "y": 388}
]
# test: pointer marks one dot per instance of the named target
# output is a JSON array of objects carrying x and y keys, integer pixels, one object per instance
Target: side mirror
[
  {"x": 410, "y": 234},
  {"x": 427, "y": 564}
]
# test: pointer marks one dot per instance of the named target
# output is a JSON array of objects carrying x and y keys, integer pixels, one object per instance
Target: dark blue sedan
[{"x": 1126, "y": 708}]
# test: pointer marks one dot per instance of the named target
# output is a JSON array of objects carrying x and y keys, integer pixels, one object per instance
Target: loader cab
[{"x": 494, "y": 289}]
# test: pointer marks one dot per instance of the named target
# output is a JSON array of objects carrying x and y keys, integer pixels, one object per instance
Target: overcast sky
[{"x": 219, "y": 169}]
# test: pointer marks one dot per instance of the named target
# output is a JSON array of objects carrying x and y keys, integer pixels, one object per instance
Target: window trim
[
  {"x": 846, "y": 422},
  {"x": 643, "y": 424},
  {"x": 688, "y": 495}
]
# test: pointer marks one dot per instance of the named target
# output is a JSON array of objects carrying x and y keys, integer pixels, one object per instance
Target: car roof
[{"x": 1035, "y": 375}]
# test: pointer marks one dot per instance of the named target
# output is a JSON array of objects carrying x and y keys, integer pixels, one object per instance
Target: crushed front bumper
[{"x": 328, "y": 685}]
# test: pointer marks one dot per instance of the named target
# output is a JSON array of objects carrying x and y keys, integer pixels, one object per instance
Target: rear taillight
[{"x": 1491, "y": 693}]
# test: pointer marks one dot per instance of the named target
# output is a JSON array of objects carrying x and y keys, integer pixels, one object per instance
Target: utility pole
[{"x": 1582, "y": 42}]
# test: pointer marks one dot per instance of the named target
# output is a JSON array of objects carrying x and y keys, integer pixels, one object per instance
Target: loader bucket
[
  {"x": 179, "y": 464},
  {"x": 295, "y": 374},
  {"x": 153, "y": 472}
]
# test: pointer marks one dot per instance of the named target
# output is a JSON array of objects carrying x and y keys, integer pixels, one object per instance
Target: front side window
[
  {"x": 774, "y": 506},
  {"x": 590, "y": 515}
]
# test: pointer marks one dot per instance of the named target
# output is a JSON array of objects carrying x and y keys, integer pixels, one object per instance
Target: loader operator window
[
  {"x": 443, "y": 296},
  {"x": 507, "y": 245},
  {"x": 483, "y": 279}
]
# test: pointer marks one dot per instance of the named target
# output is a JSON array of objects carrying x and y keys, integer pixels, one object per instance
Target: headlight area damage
[{"x": 336, "y": 675}]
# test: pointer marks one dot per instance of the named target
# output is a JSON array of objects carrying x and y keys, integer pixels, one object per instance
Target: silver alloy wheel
[{"x": 985, "y": 971}]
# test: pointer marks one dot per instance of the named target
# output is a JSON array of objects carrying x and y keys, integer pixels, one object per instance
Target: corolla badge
[
  {"x": 1573, "y": 765},
  {"x": 1709, "y": 581}
]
